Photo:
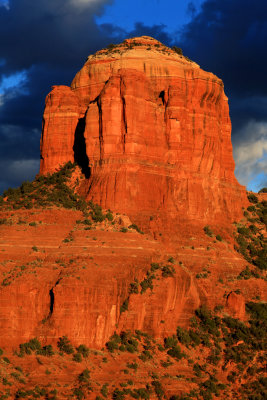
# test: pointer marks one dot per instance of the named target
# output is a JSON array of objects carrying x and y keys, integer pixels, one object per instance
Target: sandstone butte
[{"x": 151, "y": 134}]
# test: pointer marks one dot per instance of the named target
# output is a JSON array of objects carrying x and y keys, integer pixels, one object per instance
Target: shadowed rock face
[{"x": 154, "y": 131}]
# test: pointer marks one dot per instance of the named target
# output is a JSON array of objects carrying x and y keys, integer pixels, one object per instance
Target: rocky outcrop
[
  {"x": 53, "y": 286},
  {"x": 236, "y": 305},
  {"x": 151, "y": 131}
]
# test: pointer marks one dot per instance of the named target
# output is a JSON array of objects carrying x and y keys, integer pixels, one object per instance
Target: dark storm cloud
[
  {"x": 156, "y": 31},
  {"x": 229, "y": 37},
  {"x": 244, "y": 109},
  {"x": 57, "y": 32},
  {"x": 49, "y": 41},
  {"x": 25, "y": 107}
]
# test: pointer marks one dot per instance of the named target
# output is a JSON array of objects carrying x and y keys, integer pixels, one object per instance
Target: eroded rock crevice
[
  {"x": 52, "y": 299},
  {"x": 162, "y": 97},
  {"x": 79, "y": 149},
  {"x": 101, "y": 140},
  {"x": 124, "y": 123}
]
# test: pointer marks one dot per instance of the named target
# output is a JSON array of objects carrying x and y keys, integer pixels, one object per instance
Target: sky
[{"x": 45, "y": 42}]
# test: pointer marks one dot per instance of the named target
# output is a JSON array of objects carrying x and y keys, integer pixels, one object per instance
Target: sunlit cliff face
[{"x": 140, "y": 115}]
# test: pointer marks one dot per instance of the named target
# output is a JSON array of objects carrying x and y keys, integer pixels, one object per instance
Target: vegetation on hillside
[
  {"x": 126, "y": 45},
  {"x": 219, "y": 356},
  {"x": 250, "y": 239},
  {"x": 45, "y": 191}
]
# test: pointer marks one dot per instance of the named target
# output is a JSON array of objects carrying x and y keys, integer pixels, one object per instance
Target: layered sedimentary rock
[
  {"x": 151, "y": 131},
  {"x": 52, "y": 287}
]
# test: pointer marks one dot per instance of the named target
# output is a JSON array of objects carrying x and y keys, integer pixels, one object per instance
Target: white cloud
[
  {"x": 251, "y": 155},
  {"x": 85, "y": 3}
]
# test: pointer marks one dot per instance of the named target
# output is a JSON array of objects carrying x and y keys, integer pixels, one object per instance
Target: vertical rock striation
[{"x": 152, "y": 133}]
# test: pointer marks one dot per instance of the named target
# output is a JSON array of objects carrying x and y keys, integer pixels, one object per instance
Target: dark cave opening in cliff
[
  {"x": 161, "y": 96},
  {"x": 79, "y": 149},
  {"x": 52, "y": 301}
]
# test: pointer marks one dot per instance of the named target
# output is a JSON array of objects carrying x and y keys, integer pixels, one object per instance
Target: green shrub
[
  {"x": 109, "y": 216},
  {"x": 77, "y": 357},
  {"x": 175, "y": 352},
  {"x": 78, "y": 393},
  {"x": 134, "y": 287},
  {"x": 84, "y": 376},
  {"x": 6, "y": 282},
  {"x": 64, "y": 345},
  {"x": 198, "y": 370},
  {"x": 183, "y": 336},
  {"x": 253, "y": 229},
  {"x": 154, "y": 267},
  {"x": 208, "y": 231},
  {"x": 177, "y": 50},
  {"x": 252, "y": 198},
  {"x": 158, "y": 389},
  {"x": 32, "y": 224},
  {"x": 87, "y": 222},
  {"x": 242, "y": 230},
  {"x": 96, "y": 212},
  {"x": 118, "y": 395},
  {"x": 247, "y": 274},
  {"x": 113, "y": 343},
  {"x": 145, "y": 355},
  {"x": 32, "y": 346},
  {"x": 167, "y": 271},
  {"x": 130, "y": 343},
  {"x": 170, "y": 341},
  {"x": 147, "y": 283},
  {"x": 104, "y": 390},
  {"x": 209, "y": 323},
  {"x": 46, "y": 351},
  {"x": 134, "y": 226},
  {"x": 261, "y": 260},
  {"x": 83, "y": 350},
  {"x": 124, "y": 306},
  {"x": 133, "y": 365}
]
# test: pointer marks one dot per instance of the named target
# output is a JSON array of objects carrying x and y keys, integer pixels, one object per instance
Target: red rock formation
[
  {"x": 156, "y": 131},
  {"x": 60, "y": 119},
  {"x": 236, "y": 305},
  {"x": 151, "y": 133},
  {"x": 76, "y": 288}
]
